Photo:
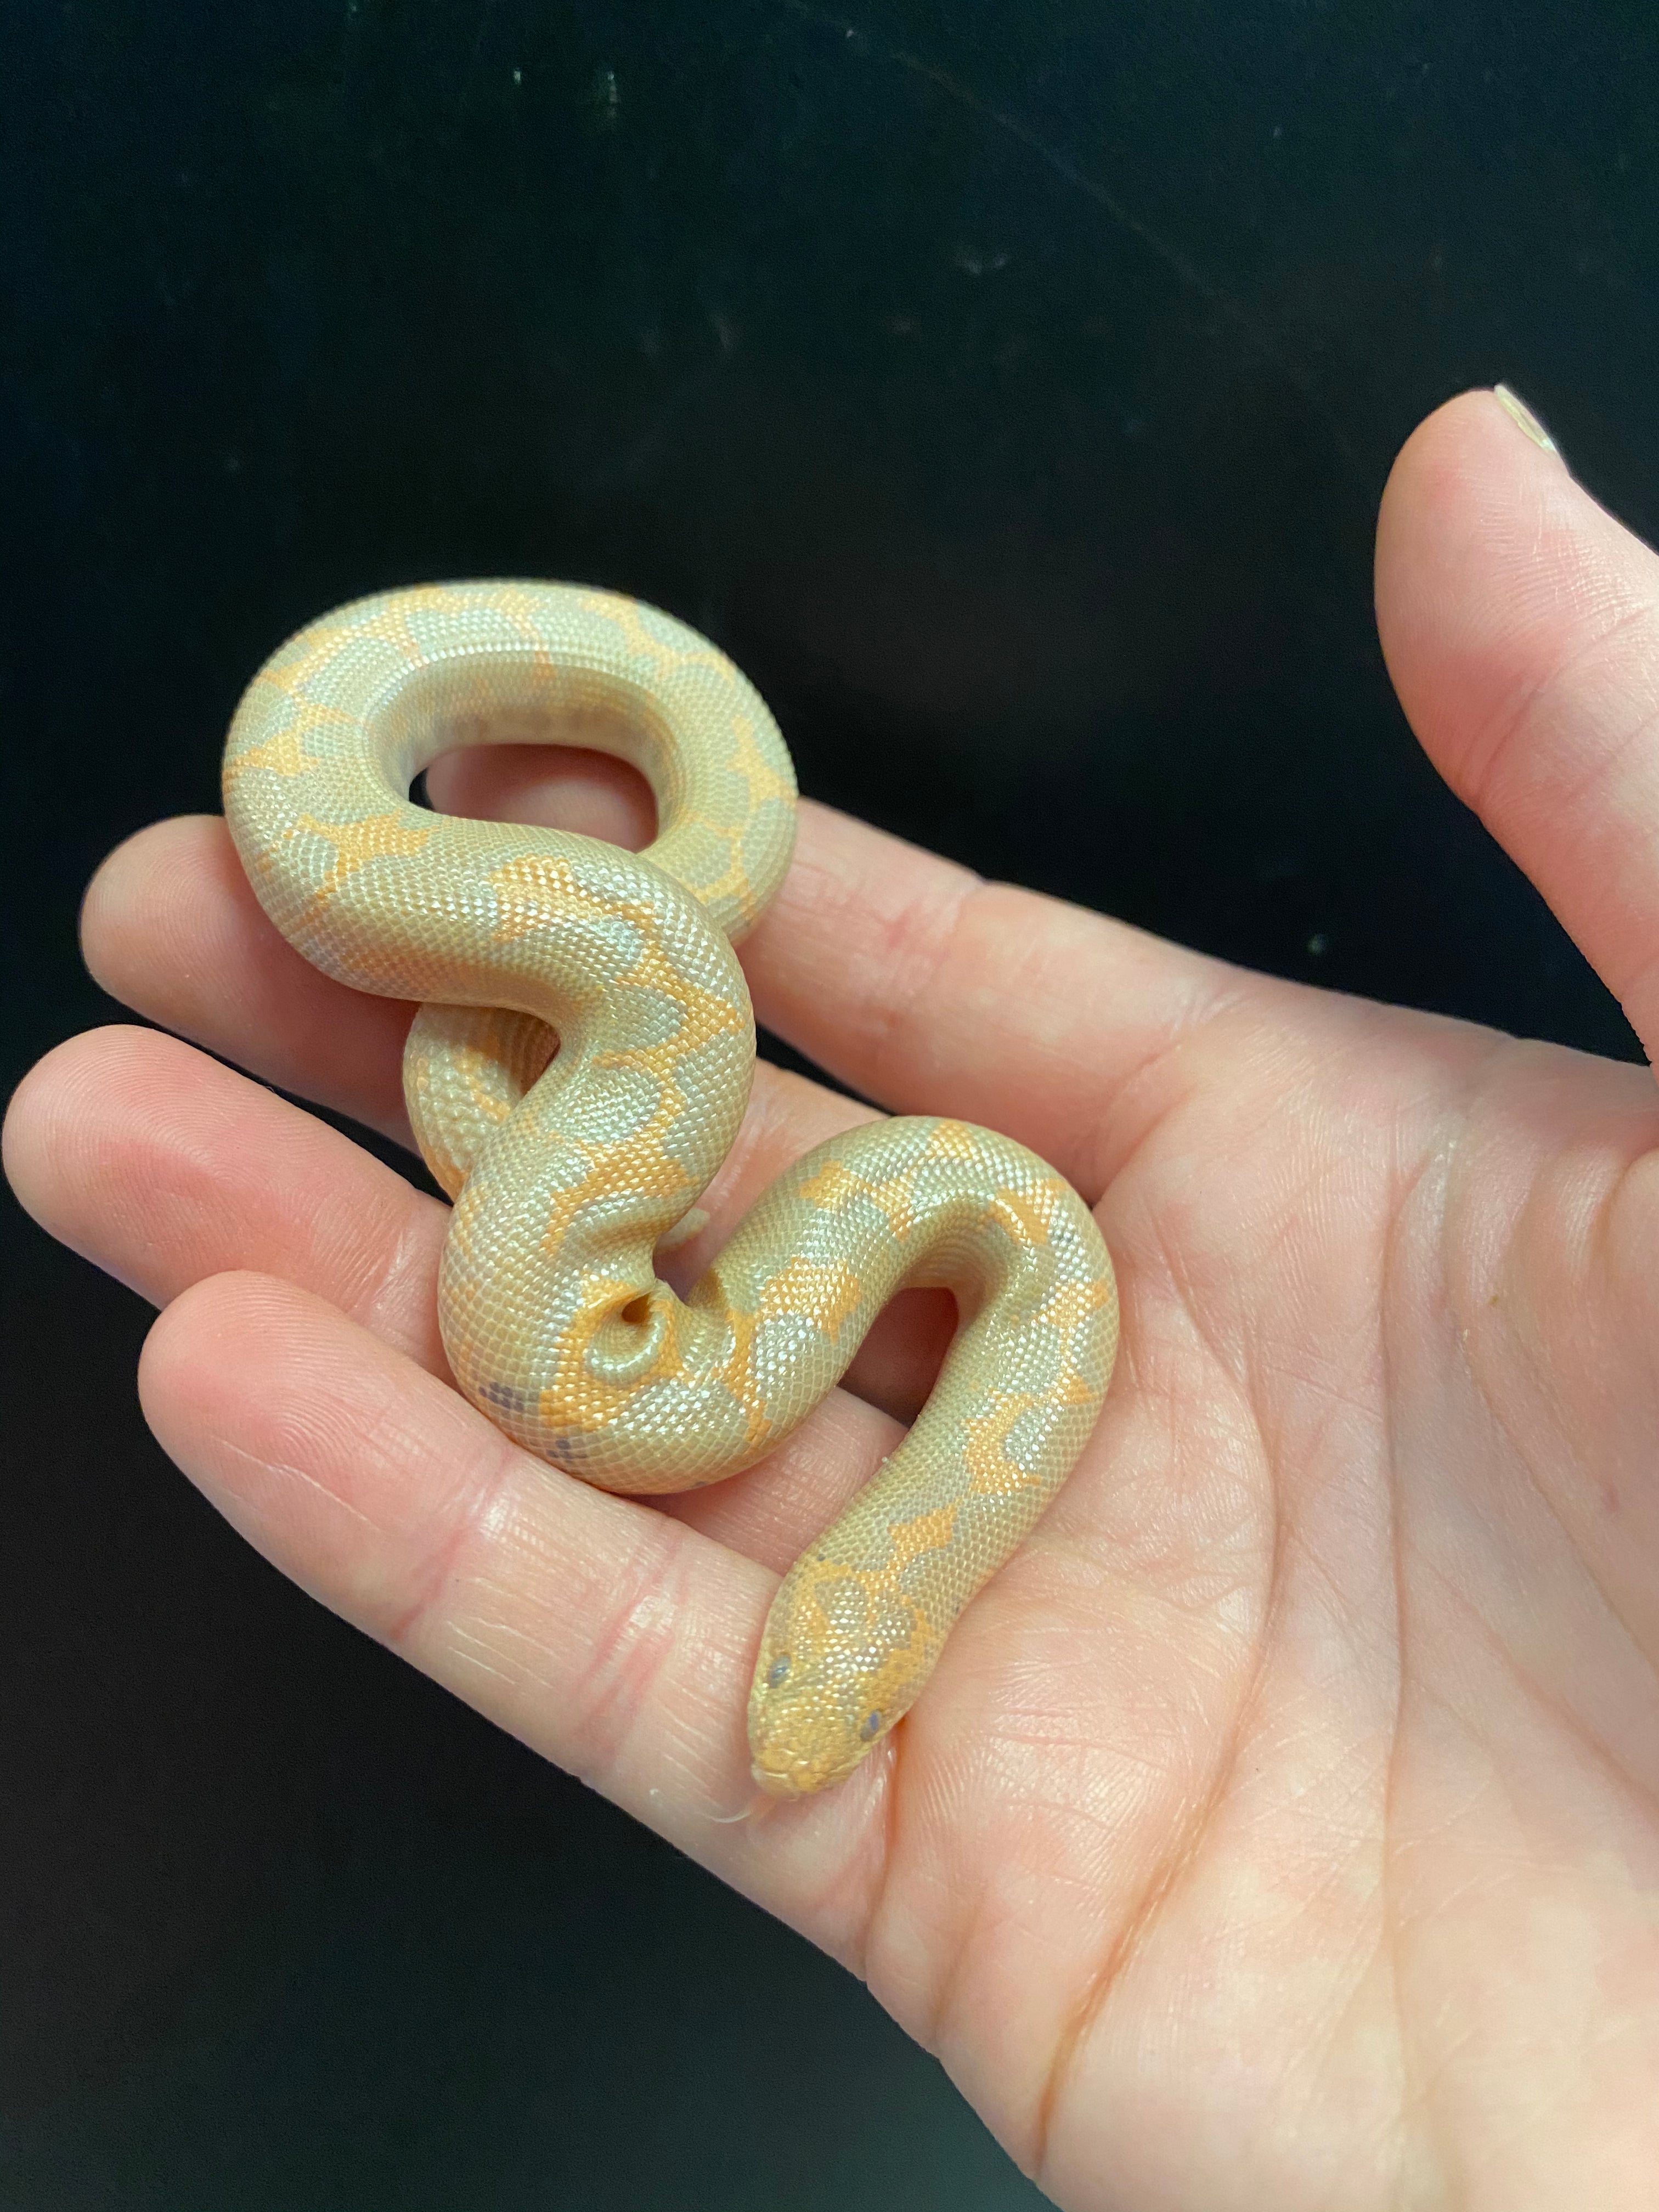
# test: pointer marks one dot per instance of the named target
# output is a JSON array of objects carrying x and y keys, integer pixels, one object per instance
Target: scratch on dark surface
[{"x": 1186, "y": 271}]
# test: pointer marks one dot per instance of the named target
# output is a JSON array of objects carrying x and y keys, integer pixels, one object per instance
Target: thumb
[{"x": 1519, "y": 623}]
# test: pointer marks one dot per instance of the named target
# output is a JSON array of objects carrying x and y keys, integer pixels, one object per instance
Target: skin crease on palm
[{"x": 1280, "y": 1829}]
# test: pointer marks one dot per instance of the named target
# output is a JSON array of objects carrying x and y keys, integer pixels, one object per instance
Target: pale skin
[{"x": 1280, "y": 1828}]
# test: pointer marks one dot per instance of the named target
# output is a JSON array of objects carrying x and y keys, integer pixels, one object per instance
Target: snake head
[{"x": 842, "y": 1658}]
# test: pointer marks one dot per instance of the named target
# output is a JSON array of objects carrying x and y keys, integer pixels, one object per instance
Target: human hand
[{"x": 1282, "y": 1827}]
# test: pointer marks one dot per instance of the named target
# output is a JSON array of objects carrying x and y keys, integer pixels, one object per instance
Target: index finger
[
  {"x": 919, "y": 986},
  {"x": 924, "y": 988}
]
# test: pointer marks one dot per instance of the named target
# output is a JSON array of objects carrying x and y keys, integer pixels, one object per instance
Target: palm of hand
[
  {"x": 1322, "y": 1747},
  {"x": 1279, "y": 1827}
]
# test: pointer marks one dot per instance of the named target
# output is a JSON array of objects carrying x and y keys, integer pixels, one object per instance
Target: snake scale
[{"x": 577, "y": 1073}]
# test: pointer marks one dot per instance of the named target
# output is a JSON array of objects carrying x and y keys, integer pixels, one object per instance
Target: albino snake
[{"x": 570, "y": 1169}]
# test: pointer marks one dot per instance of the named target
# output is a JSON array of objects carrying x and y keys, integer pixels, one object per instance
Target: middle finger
[{"x": 165, "y": 1168}]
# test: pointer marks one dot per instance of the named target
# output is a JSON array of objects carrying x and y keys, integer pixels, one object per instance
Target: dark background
[{"x": 1009, "y": 388}]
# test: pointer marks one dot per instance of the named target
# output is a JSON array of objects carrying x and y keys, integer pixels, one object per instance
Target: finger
[
  {"x": 170, "y": 928},
  {"x": 772, "y": 1512},
  {"x": 591, "y": 794},
  {"x": 1519, "y": 623},
  {"x": 920, "y": 985},
  {"x": 612, "y": 1639},
  {"x": 914, "y": 983},
  {"x": 165, "y": 1168}
]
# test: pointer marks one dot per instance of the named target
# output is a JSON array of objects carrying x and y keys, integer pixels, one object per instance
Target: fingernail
[{"x": 1518, "y": 411}]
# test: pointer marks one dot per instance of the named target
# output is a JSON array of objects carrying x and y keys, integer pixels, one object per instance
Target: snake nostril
[{"x": 637, "y": 1309}]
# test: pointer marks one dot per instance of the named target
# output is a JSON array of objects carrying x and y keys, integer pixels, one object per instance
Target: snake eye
[
  {"x": 777, "y": 1670},
  {"x": 872, "y": 1726}
]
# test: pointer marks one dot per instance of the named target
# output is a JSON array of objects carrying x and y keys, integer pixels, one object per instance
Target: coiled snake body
[{"x": 579, "y": 1070}]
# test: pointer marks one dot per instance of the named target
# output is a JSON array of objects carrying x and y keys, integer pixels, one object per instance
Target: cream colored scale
[{"x": 569, "y": 1171}]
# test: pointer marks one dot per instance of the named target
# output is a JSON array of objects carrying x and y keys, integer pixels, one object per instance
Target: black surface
[{"x": 1010, "y": 389}]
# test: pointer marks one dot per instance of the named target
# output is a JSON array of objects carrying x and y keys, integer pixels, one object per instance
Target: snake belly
[{"x": 579, "y": 1070}]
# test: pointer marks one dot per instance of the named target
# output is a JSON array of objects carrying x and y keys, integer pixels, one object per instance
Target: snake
[{"x": 576, "y": 1073}]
